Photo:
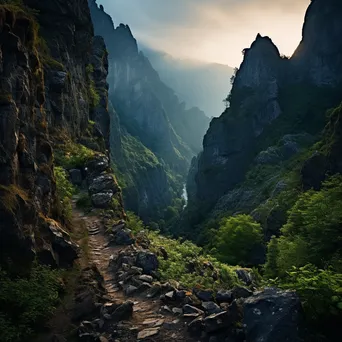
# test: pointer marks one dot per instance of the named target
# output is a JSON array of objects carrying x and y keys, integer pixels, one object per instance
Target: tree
[
  {"x": 271, "y": 268},
  {"x": 238, "y": 239}
]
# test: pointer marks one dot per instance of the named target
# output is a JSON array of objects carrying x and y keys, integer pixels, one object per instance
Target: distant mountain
[{"x": 197, "y": 83}]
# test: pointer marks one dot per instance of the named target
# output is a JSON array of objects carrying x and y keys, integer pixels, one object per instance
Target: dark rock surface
[
  {"x": 272, "y": 315},
  {"x": 269, "y": 113}
]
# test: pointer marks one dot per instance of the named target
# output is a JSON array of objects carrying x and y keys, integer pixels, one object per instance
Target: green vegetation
[
  {"x": 65, "y": 190},
  {"x": 94, "y": 97},
  {"x": 84, "y": 201},
  {"x": 26, "y": 302},
  {"x": 237, "y": 238},
  {"x": 307, "y": 255},
  {"x": 186, "y": 263},
  {"x": 312, "y": 233},
  {"x": 72, "y": 155},
  {"x": 320, "y": 289}
]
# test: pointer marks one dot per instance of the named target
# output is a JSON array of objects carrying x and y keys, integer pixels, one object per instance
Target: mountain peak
[{"x": 261, "y": 62}]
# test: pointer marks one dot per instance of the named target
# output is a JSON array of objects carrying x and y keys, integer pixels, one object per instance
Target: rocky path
[{"x": 151, "y": 320}]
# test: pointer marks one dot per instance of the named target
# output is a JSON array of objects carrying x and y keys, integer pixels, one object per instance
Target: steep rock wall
[
  {"x": 272, "y": 97},
  {"x": 45, "y": 95}
]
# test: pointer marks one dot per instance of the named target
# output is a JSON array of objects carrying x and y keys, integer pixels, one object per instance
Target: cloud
[{"x": 211, "y": 30}]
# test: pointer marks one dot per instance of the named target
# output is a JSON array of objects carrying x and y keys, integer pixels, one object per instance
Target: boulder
[
  {"x": 216, "y": 322},
  {"x": 211, "y": 308},
  {"x": 241, "y": 292},
  {"x": 76, "y": 177},
  {"x": 196, "y": 326},
  {"x": 103, "y": 183},
  {"x": 272, "y": 315},
  {"x": 146, "y": 278},
  {"x": 124, "y": 237},
  {"x": 97, "y": 165},
  {"x": 62, "y": 245},
  {"x": 223, "y": 296},
  {"x": 204, "y": 295},
  {"x": 130, "y": 290},
  {"x": 123, "y": 312},
  {"x": 147, "y": 261},
  {"x": 102, "y": 199}
]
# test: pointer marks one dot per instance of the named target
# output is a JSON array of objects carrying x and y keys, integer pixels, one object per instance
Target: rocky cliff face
[
  {"x": 45, "y": 94},
  {"x": 318, "y": 57},
  {"x": 153, "y": 136},
  {"x": 272, "y": 97}
]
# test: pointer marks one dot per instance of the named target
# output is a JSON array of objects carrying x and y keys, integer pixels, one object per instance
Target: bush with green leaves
[
  {"x": 237, "y": 238},
  {"x": 72, "y": 155},
  {"x": 26, "y": 302},
  {"x": 190, "y": 265},
  {"x": 321, "y": 293},
  {"x": 65, "y": 191},
  {"x": 312, "y": 233},
  {"x": 186, "y": 263}
]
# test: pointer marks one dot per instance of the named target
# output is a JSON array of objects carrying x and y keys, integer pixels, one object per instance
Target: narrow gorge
[{"x": 126, "y": 215}]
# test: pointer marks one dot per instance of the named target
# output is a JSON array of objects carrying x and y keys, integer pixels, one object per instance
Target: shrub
[
  {"x": 189, "y": 265},
  {"x": 94, "y": 97},
  {"x": 25, "y": 303},
  {"x": 237, "y": 239},
  {"x": 271, "y": 267},
  {"x": 72, "y": 155},
  {"x": 321, "y": 294},
  {"x": 134, "y": 223},
  {"x": 312, "y": 233},
  {"x": 65, "y": 191}
]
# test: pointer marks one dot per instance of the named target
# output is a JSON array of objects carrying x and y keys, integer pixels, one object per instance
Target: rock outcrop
[
  {"x": 50, "y": 71},
  {"x": 273, "y": 98},
  {"x": 272, "y": 315}
]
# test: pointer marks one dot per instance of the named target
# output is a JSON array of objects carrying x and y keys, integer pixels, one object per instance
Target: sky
[{"x": 210, "y": 30}]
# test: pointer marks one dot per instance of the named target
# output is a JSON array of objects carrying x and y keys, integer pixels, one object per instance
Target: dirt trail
[{"x": 146, "y": 312}]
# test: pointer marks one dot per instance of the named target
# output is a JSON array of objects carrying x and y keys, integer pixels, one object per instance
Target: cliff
[
  {"x": 153, "y": 136},
  {"x": 53, "y": 81},
  {"x": 273, "y": 99}
]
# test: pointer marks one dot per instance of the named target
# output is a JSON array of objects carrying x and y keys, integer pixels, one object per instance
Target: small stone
[
  {"x": 130, "y": 290},
  {"x": 154, "y": 291},
  {"x": 177, "y": 311},
  {"x": 241, "y": 292},
  {"x": 165, "y": 309},
  {"x": 217, "y": 322},
  {"x": 211, "y": 308},
  {"x": 206, "y": 296},
  {"x": 146, "y": 278},
  {"x": 223, "y": 296},
  {"x": 154, "y": 322},
  {"x": 196, "y": 325},
  {"x": 170, "y": 295},
  {"x": 188, "y": 309},
  {"x": 124, "y": 311},
  {"x": 144, "y": 287},
  {"x": 148, "y": 333}
]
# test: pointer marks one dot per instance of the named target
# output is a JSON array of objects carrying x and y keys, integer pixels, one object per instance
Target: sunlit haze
[{"x": 210, "y": 30}]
